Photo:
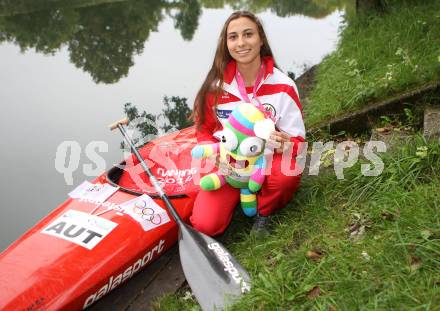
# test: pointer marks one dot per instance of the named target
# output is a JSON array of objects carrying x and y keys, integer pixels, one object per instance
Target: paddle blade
[{"x": 215, "y": 277}]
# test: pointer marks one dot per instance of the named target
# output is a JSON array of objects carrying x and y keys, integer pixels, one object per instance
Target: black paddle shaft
[{"x": 153, "y": 179}]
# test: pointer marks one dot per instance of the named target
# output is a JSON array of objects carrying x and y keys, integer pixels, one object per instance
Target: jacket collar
[
  {"x": 230, "y": 84},
  {"x": 229, "y": 73}
]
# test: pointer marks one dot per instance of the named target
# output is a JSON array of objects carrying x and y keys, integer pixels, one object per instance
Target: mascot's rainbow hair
[{"x": 241, "y": 155}]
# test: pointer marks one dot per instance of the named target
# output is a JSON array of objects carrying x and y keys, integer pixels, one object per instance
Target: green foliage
[
  {"x": 17, "y": 7},
  {"x": 145, "y": 127},
  {"x": 103, "y": 36},
  {"x": 102, "y": 40},
  {"x": 143, "y": 123},
  {"x": 109, "y": 36},
  {"x": 45, "y": 31},
  {"x": 283, "y": 8},
  {"x": 304, "y": 7},
  {"x": 169, "y": 303},
  {"x": 212, "y": 4},
  {"x": 378, "y": 55},
  {"x": 176, "y": 113},
  {"x": 187, "y": 20},
  {"x": 174, "y": 116}
]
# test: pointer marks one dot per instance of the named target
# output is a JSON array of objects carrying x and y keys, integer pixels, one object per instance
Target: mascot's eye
[
  {"x": 251, "y": 146},
  {"x": 229, "y": 140}
]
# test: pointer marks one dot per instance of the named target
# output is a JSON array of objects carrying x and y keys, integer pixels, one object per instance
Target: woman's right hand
[{"x": 277, "y": 140}]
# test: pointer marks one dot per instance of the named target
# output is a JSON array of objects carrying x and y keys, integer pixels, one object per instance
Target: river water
[{"x": 67, "y": 71}]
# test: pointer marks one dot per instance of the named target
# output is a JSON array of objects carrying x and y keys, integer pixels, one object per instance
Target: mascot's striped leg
[
  {"x": 257, "y": 178},
  {"x": 248, "y": 202},
  {"x": 212, "y": 181}
]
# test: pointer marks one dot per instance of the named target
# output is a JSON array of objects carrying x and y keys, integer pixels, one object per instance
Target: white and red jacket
[{"x": 277, "y": 92}]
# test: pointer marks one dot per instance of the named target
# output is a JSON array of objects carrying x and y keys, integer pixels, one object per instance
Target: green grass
[
  {"x": 378, "y": 56},
  {"x": 394, "y": 265}
]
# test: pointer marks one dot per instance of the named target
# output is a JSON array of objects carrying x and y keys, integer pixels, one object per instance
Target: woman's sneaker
[{"x": 261, "y": 226}]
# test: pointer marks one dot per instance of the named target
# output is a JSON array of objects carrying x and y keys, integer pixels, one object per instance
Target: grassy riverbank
[
  {"x": 362, "y": 243},
  {"x": 378, "y": 55}
]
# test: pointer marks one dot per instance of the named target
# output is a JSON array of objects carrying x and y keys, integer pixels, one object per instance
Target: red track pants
[{"x": 212, "y": 211}]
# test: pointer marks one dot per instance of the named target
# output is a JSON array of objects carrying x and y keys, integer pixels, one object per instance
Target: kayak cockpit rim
[{"x": 115, "y": 173}]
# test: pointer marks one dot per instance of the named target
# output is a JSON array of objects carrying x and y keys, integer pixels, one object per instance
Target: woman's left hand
[{"x": 277, "y": 140}]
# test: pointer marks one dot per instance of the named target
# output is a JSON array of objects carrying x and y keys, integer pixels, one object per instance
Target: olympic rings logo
[{"x": 147, "y": 213}]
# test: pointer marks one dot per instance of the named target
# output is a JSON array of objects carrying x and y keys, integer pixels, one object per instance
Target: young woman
[{"x": 244, "y": 70}]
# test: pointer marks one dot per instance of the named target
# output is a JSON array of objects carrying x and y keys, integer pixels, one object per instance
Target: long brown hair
[{"x": 214, "y": 80}]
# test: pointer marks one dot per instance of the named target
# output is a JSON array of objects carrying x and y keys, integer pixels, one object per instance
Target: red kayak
[{"x": 105, "y": 232}]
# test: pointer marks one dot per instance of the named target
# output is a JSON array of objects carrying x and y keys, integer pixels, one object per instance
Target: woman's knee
[
  {"x": 208, "y": 226},
  {"x": 213, "y": 210}
]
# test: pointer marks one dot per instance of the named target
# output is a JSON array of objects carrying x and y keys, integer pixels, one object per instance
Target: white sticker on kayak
[
  {"x": 80, "y": 228},
  {"x": 96, "y": 192},
  {"x": 145, "y": 211}
]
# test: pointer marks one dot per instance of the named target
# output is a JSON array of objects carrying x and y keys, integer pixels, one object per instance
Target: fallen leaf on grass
[
  {"x": 188, "y": 295},
  {"x": 352, "y": 227},
  {"x": 387, "y": 216},
  {"x": 314, "y": 292},
  {"x": 415, "y": 263},
  {"x": 365, "y": 256},
  {"x": 357, "y": 234},
  {"x": 356, "y": 231},
  {"x": 331, "y": 308},
  {"x": 357, "y": 227},
  {"x": 411, "y": 247},
  {"x": 382, "y": 129},
  {"x": 314, "y": 254}
]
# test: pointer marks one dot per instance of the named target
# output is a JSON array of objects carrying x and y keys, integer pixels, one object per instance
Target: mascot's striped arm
[
  {"x": 212, "y": 181},
  {"x": 205, "y": 151}
]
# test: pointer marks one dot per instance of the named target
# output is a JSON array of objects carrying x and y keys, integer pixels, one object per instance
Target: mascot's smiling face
[{"x": 240, "y": 147}]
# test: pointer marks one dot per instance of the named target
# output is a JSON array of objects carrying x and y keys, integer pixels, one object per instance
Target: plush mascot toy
[{"x": 241, "y": 148}]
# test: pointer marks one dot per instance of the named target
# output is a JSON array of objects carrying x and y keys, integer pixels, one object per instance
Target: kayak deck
[{"x": 83, "y": 249}]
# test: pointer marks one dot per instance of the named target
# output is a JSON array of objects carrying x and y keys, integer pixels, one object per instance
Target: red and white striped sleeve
[{"x": 290, "y": 114}]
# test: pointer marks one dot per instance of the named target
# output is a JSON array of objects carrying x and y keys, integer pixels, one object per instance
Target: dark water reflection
[
  {"x": 68, "y": 67},
  {"x": 103, "y": 36}
]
